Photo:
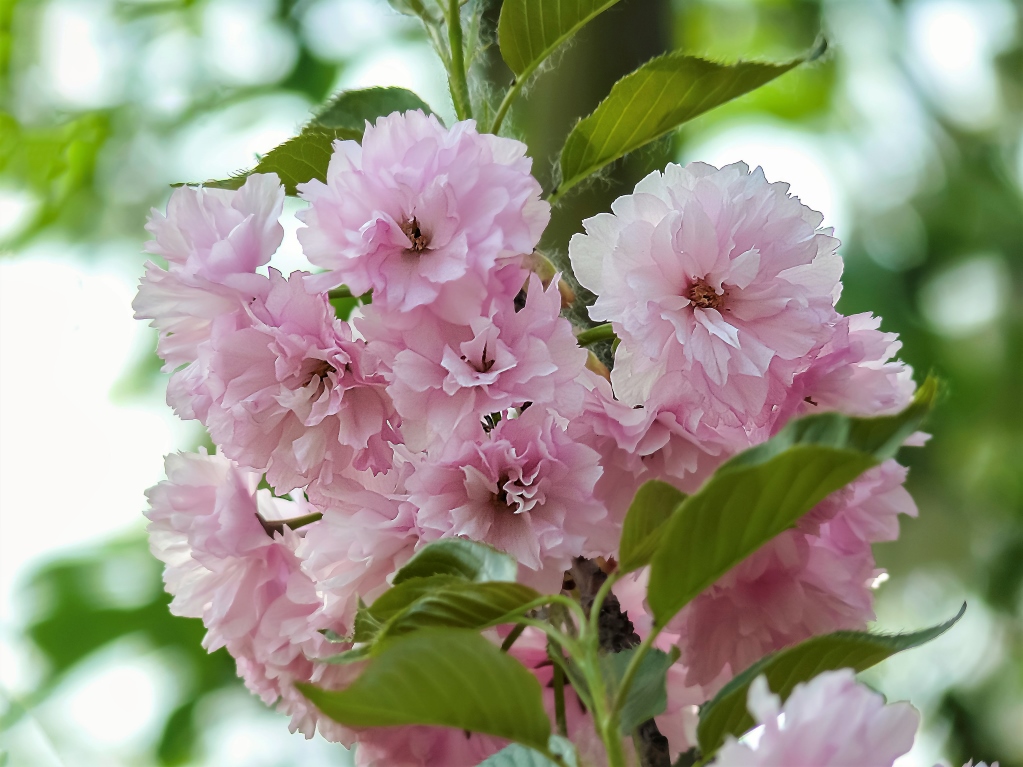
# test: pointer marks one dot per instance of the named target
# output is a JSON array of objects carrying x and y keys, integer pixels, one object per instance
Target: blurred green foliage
[{"x": 947, "y": 243}]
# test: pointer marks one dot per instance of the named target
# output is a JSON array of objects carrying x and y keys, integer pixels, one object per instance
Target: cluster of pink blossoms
[{"x": 458, "y": 403}]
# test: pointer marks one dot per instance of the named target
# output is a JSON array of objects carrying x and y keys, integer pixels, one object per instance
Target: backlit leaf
[
  {"x": 530, "y": 30},
  {"x": 654, "y": 100}
]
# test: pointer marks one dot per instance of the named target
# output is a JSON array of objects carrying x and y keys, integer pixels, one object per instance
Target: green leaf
[
  {"x": 648, "y": 693},
  {"x": 445, "y": 678},
  {"x": 348, "y": 112},
  {"x": 654, "y": 503},
  {"x": 657, "y": 98},
  {"x": 307, "y": 155},
  {"x": 459, "y": 557},
  {"x": 440, "y": 600},
  {"x": 530, "y": 30},
  {"x": 520, "y": 756},
  {"x": 727, "y": 715},
  {"x": 764, "y": 491},
  {"x": 460, "y": 604}
]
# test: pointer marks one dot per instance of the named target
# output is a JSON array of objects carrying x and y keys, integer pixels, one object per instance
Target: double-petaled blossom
[
  {"x": 812, "y": 580},
  {"x": 526, "y": 488},
  {"x": 446, "y": 385},
  {"x": 293, "y": 394},
  {"x": 830, "y": 721},
  {"x": 459, "y": 404},
  {"x": 853, "y": 373},
  {"x": 227, "y": 564},
  {"x": 716, "y": 274},
  {"x": 366, "y": 534},
  {"x": 213, "y": 240},
  {"x": 423, "y": 215}
]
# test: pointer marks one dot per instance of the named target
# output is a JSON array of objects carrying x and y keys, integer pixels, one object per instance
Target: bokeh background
[{"x": 907, "y": 135}]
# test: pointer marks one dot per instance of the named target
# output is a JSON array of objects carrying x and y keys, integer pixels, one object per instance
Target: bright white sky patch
[
  {"x": 967, "y": 296},
  {"x": 953, "y": 43},
  {"x": 83, "y": 53}
]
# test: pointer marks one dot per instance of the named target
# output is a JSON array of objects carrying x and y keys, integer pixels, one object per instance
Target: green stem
[
  {"x": 606, "y": 722},
  {"x": 592, "y": 335},
  {"x": 340, "y": 292},
  {"x": 559, "y": 696},
  {"x": 456, "y": 74},
  {"x": 506, "y": 102}
]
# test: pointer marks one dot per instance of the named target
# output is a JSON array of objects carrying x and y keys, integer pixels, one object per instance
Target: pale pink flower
[
  {"x": 366, "y": 534},
  {"x": 714, "y": 273},
  {"x": 214, "y": 233},
  {"x": 445, "y": 385},
  {"x": 635, "y": 444},
  {"x": 245, "y": 583},
  {"x": 421, "y": 214},
  {"x": 830, "y": 721},
  {"x": 525, "y": 488},
  {"x": 423, "y": 747},
  {"x": 213, "y": 241},
  {"x": 866, "y": 510},
  {"x": 294, "y": 394},
  {"x": 794, "y": 587},
  {"x": 853, "y": 373}
]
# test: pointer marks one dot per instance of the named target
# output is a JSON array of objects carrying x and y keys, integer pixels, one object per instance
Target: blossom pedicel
[{"x": 453, "y": 406}]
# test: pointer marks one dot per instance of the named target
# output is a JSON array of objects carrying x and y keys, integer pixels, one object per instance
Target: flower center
[
  {"x": 320, "y": 370},
  {"x": 484, "y": 364},
  {"x": 501, "y": 496},
  {"x": 703, "y": 296},
  {"x": 415, "y": 235}
]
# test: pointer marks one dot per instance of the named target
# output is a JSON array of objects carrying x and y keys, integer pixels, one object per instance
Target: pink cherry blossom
[
  {"x": 525, "y": 488},
  {"x": 715, "y": 273},
  {"x": 214, "y": 233},
  {"x": 223, "y": 566},
  {"x": 419, "y": 209},
  {"x": 295, "y": 395},
  {"x": 793, "y": 588},
  {"x": 866, "y": 510},
  {"x": 366, "y": 534},
  {"x": 213, "y": 241},
  {"x": 423, "y": 747},
  {"x": 830, "y": 721},
  {"x": 853, "y": 373},
  {"x": 444, "y": 385}
]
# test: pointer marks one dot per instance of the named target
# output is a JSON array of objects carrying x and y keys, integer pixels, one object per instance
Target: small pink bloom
[
  {"x": 853, "y": 373},
  {"x": 245, "y": 584},
  {"x": 793, "y": 588},
  {"x": 213, "y": 241},
  {"x": 423, "y": 747},
  {"x": 446, "y": 385},
  {"x": 866, "y": 510},
  {"x": 526, "y": 488},
  {"x": 294, "y": 394},
  {"x": 418, "y": 207},
  {"x": 830, "y": 721},
  {"x": 214, "y": 233},
  {"x": 366, "y": 534}
]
